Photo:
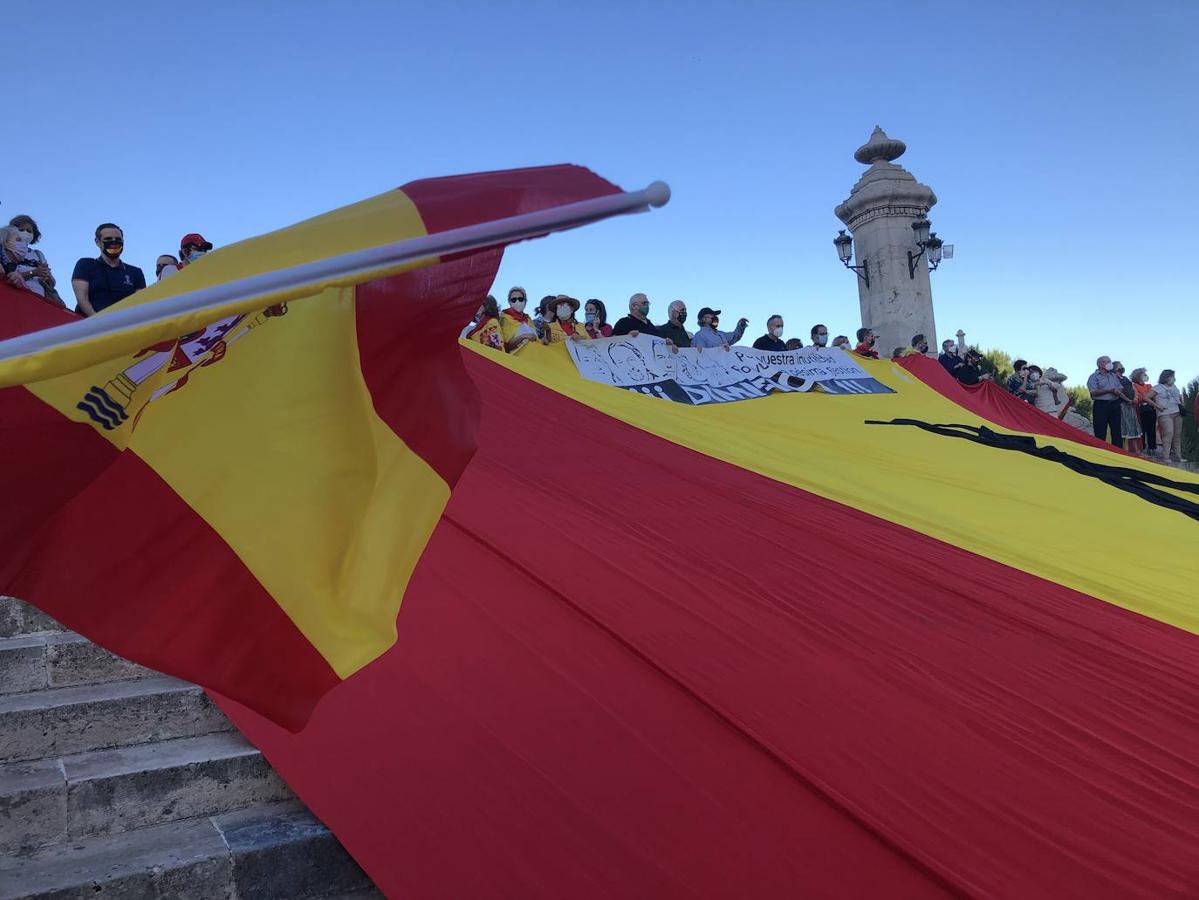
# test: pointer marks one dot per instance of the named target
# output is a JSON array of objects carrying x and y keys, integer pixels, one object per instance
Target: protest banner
[{"x": 650, "y": 366}]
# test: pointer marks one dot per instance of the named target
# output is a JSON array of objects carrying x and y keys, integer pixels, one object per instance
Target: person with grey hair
[
  {"x": 676, "y": 315},
  {"x": 637, "y": 321},
  {"x": 1105, "y": 390},
  {"x": 772, "y": 340}
]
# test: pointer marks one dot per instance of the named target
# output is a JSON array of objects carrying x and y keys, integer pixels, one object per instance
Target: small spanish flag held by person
[{"x": 239, "y": 496}]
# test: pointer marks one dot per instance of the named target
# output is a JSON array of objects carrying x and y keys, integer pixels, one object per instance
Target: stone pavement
[{"x": 118, "y": 781}]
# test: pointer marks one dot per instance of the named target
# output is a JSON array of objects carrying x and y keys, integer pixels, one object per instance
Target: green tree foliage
[
  {"x": 1082, "y": 400},
  {"x": 1190, "y": 434}
]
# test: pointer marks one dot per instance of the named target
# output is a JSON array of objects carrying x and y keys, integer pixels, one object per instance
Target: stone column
[{"x": 879, "y": 214}]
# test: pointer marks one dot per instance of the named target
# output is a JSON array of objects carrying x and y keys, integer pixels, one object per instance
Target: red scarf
[
  {"x": 568, "y": 327},
  {"x": 519, "y": 316}
]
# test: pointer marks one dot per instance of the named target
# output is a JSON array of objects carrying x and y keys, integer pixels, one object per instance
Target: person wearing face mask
[
  {"x": 192, "y": 248},
  {"x": 595, "y": 316},
  {"x": 486, "y": 329},
  {"x": 919, "y": 346},
  {"x": 18, "y": 261},
  {"x": 676, "y": 319},
  {"x": 772, "y": 340},
  {"x": 709, "y": 336},
  {"x": 866, "y": 342},
  {"x": 515, "y": 323},
  {"x": 99, "y": 283},
  {"x": 1106, "y": 391},
  {"x": 1169, "y": 420},
  {"x": 43, "y": 282},
  {"x": 564, "y": 327},
  {"x": 1130, "y": 422},
  {"x": 1148, "y": 408},
  {"x": 841, "y": 342},
  {"x": 952, "y": 354},
  {"x": 819, "y": 335},
  {"x": 637, "y": 321}
]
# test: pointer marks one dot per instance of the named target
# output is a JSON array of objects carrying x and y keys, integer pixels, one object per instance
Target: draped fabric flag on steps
[
  {"x": 240, "y": 497},
  {"x": 765, "y": 649}
]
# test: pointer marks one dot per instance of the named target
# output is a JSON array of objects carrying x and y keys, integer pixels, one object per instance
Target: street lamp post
[{"x": 844, "y": 244}]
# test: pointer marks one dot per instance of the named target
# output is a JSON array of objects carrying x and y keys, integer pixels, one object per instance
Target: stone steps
[
  {"x": 62, "y": 721},
  {"x": 107, "y": 791},
  {"x": 116, "y": 780},
  {"x": 33, "y": 662},
  {"x": 264, "y": 853},
  {"x": 21, "y": 618}
]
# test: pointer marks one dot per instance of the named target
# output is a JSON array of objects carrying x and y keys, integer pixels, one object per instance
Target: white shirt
[{"x": 1170, "y": 397}]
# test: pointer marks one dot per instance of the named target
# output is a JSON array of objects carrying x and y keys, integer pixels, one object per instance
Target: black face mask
[{"x": 112, "y": 246}]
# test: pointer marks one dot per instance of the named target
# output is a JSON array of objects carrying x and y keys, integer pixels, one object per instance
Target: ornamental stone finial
[{"x": 879, "y": 147}]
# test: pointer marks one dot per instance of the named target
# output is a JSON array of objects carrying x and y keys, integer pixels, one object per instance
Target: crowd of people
[
  {"x": 96, "y": 282},
  {"x": 1129, "y": 411},
  {"x": 556, "y": 318}
]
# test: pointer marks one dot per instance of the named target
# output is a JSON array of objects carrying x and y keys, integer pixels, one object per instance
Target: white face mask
[
  {"x": 518, "y": 305},
  {"x": 564, "y": 310},
  {"x": 1107, "y": 367},
  {"x": 820, "y": 340},
  {"x": 195, "y": 254},
  {"x": 777, "y": 331},
  {"x": 19, "y": 243}
]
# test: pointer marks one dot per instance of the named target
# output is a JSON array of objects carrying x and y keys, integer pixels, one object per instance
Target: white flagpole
[{"x": 347, "y": 266}]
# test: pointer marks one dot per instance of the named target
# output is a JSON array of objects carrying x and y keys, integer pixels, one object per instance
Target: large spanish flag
[
  {"x": 238, "y": 495},
  {"x": 767, "y": 649},
  {"x": 909, "y": 644}
]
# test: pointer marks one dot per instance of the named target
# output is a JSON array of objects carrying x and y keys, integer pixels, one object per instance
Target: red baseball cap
[{"x": 194, "y": 240}]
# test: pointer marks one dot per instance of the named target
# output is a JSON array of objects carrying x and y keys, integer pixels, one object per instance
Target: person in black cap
[
  {"x": 710, "y": 336},
  {"x": 773, "y": 338}
]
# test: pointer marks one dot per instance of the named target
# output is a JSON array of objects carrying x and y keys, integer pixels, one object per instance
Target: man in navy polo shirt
[{"x": 105, "y": 280}]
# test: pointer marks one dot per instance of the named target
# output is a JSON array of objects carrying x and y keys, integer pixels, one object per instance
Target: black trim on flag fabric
[{"x": 1142, "y": 484}]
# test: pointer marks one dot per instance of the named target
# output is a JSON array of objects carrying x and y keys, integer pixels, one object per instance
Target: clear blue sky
[{"x": 1060, "y": 139}]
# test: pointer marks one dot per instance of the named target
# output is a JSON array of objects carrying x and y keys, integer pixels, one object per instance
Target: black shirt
[
  {"x": 773, "y": 344},
  {"x": 107, "y": 284},
  {"x": 950, "y": 361},
  {"x": 968, "y": 374},
  {"x": 676, "y": 333},
  {"x": 628, "y": 323}
]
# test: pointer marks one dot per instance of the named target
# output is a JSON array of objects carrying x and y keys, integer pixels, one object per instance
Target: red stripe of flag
[{"x": 1003, "y": 734}]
